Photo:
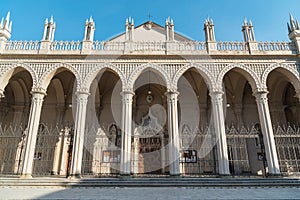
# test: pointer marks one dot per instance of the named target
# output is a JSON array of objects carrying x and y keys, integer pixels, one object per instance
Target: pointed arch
[
  {"x": 49, "y": 74},
  {"x": 152, "y": 66},
  {"x": 96, "y": 70},
  {"x": 291, "y": 71},
  {"x": 203, "y": 71},
  {"x": 246, "y": 71},
  {"x": 8, "y": 71}
]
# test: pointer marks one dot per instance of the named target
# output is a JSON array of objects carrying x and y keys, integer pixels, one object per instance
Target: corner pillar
[{"x": 267, "y": 131}]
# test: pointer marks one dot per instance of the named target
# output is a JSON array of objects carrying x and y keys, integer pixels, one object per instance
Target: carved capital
[
  {"x": 82, "y": 97},
  {"x": 216, "y": 96},
  {"x": 262, "y": 96},
  {"x": 127, "y": 97},
  {"x": 172, "y": 96},
  {"x": 38, "y": 90},
  {"x": 37, "y": 97}
]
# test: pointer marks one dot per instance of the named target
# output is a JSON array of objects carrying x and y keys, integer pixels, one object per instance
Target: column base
[
  {"x": 26, "y": 176},
  {"x": 125, "y": 176},
  {"x": 273, "y": 175},
  {"x": 74, "y": 176},
  {"x": 175, "y": 176},
  {"x": 224, "y": 176}
]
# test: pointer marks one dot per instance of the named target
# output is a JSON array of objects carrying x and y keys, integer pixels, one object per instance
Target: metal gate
[
  {"x": 47, "y": 138},
  {"x": 287, "y": 141},
  {"x": 101, "y": 152},
  {"x": 12, "y": 142},
  {"x": 198, "y": 151},
  {"x": 239, "y": 143}
]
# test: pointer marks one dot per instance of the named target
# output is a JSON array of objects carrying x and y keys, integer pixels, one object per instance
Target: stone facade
[{"x": 99, "y": 94}]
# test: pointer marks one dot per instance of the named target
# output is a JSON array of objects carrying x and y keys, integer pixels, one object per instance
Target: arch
[
  {"x": 290, "y": 72},
  {"x": 246, "y": 71},
  {"x": 7, "y": 73},
  {"x": 152, "y": 66},
  {"x": 202, "y": 70},
  {"x": 95, "y": 71},
  {"x": 49, "y": 74}
]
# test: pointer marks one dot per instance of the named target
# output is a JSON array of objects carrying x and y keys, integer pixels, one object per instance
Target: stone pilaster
[
  {"x": 219, "y": 128},
  {"x": 174, "y": 145},
  {"x": 33, "y": 125},
  {"x": 126, "y": 132},
  {"x": 267, "y": 131},
  {"x": 82, "y": 99}
]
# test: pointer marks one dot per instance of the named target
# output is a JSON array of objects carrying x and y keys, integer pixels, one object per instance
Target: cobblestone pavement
[{"x": 149, "y": 193}]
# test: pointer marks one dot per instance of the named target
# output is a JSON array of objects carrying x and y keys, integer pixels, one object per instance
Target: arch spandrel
[
  {"x": 94, "y": 71},
  {"x": 251, "y": 76},
  {"x": 152, "y": 66},
  {"x": 291, "y": 71}
]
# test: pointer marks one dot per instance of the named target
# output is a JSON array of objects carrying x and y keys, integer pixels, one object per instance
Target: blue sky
[{"x": 269, "y": 17}]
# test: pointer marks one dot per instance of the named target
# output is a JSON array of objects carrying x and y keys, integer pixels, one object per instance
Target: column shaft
[
  {"x": 33, "y": 125},
  {"x": 126, "y": 133},
  {"x": 78, "y": 142},
  {"x": 173, "y": 133},
  {"x": 219, "y": 127},
  {"x": 267, "y": 130}
]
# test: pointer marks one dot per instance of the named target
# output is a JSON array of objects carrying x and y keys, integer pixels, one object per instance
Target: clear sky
[{"x": 269, "y": 17}]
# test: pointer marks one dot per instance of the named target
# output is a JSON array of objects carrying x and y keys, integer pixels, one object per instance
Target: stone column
[
  {"x": 126, "y": 132},
  {"x": 174, "y": 145},
  {"x": 267, "y": 131},
  {"x": 219, "y": 128},
  {"x": 33, "y": 125},
  {"x": 78, "y": 142}
]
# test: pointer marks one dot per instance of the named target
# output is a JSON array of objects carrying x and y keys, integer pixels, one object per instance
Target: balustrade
[{"x": 148, "y": 46}]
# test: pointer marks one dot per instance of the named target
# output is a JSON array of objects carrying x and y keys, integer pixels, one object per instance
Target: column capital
[
  {"x": 82, "y": 93},
  {"x": 127, "y": 92},
  {"x": 172, "y": 96},
  {"x": 261, "y": 96},
  {"x": 216, "y": 93},
  {"x": 127, "y": 96},
  {"x": 38, "y": 90}
]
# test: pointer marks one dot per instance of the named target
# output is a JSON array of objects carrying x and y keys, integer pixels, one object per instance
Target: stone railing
[
  {"x": 108, "y": 46},
  {"x": 22, "y": 46},
  {"x": 276, "y": 46},
  {"x": 66, "y": 46},
  {"x": 191, "y": 46},
  {"x": 153, "y": 47},
  {"x": 232, "y": 46}
]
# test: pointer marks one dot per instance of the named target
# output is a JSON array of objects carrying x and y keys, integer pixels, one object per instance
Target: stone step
[{"x": 151, "y": 182}]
